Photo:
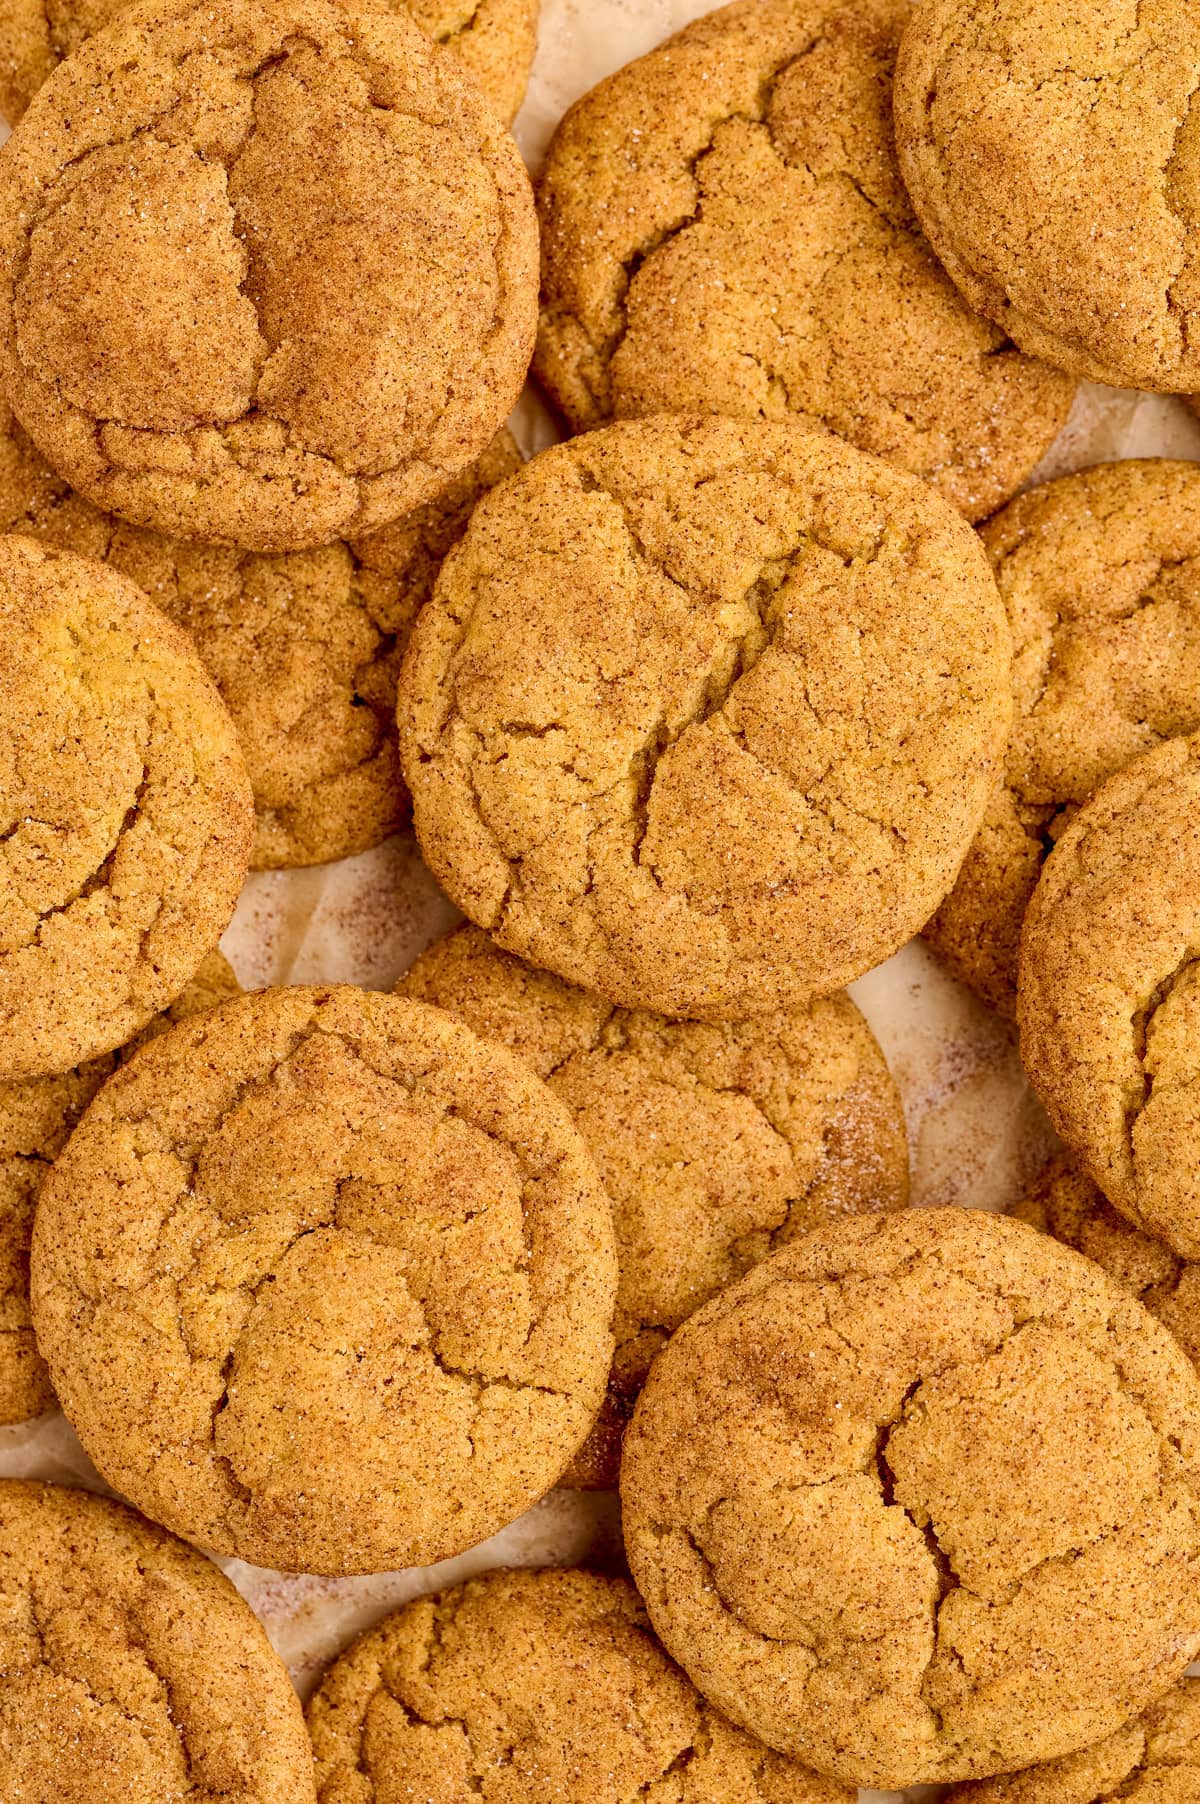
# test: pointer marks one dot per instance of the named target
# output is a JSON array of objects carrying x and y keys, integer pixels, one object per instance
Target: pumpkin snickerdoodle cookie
[
  {"x": 1109, "y": 996},
  {"x": 492, "y": 39},
  {"x": 268, "y": 270},
  {"x": 125, "y": 814},
  {"x": 306, "y": 1251},
  {"x": 133, "y": 1671},
  {"x": 703, "y": 714},
  {"x": 715, "y": 1141},
  {"x": 1100, "y": 574},
  {"x": 37, "y": 1115},
  {"x": 304, "y": 646},
  {"x": 1052, "y": 153},
  {"x": 552, "y": 1677},
  {"x": 1155, "y": 1759},
  {"x": 724, "y": 229},
  {"x": 918, "y": 1499}
]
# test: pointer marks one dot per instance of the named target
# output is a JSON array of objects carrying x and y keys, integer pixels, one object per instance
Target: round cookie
[
  {"x": 1153, "y": 1760},
  {"x": 715, "y": 1142},
  {"x": 306, "y": 1251},
  {"x": 724, "y": 229},
  {"x": 1100, "y": 574},
  {"x": 133, "y": 1671},
  {"x": 1052, "y": 153},
  {"x": 1064, "y": 1202},
  {"x": 553, "y": 1677},
  {"x": 37, "y": 1115},
  {"x": 918, "y": 1499},
  {"x": 125, "y": 813},
  {"x": 267, "y": 270},
  {"x": 1109, "y": 995},
  {"x": 493, "y": 40},
  {"x": 304, "y": 646},
  {"x": 703, "y": 714}
]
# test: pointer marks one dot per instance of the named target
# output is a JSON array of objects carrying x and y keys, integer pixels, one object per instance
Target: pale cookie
[
  {"x": 537, "y": 1688},
  {"x": 125, "y": 813},
  {"x": 724, "y": 230},
  {"x": 324, "y": 1281},
  {"x": 918, "y": 1500},
  {"x": 133, "y": 1673},
  {"x": 37, "y": 1116},
  {"x": 1064, "y": 1202},
  {"x": 703, "y": 714},
  {"x": 715, "y": 1142},
  {"x": 492, "y": 39},
  {"x": 1100, "y": 574},
  {"x": 1109, "y": 997},
  {"x": 268, "y": 270},
  {"x": 304, "y": 646},
  {"x": 1052, "y": 153},
  {"x": 1155, "y": 1759}
]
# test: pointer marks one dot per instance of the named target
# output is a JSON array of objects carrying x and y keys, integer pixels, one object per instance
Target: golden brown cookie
[
  {"x": 326, "y": 1282},
  {"x": 493, "y": 39},
  {"x": 1100, "y": 574},
  {"x": 715, "y": 1142},
  {"x": 304, "y": 646},
  {"x": 724, "y": 229},
  {"x": 1064, "y": 1202},
  {"x": 703, "y": 714},
  {"x": 267, "y": 270},
  {"x": 133, "y": 1671},
  {"x": 126, "y": 812},
  {"x": 1052, "y": 153},
  {"x": 552, "y": 1678},
  {"x": 919, "y": 1499},
  {"x": 1109, "y": 996},
  {"x": 1155, "y": 1759}
]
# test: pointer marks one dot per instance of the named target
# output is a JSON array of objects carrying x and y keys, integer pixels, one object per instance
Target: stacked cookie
[{"x": 700, "y": 715}]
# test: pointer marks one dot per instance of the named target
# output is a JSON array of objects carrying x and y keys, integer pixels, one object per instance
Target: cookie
[
  {"x": 715, "y": 1142},
  {"x": 37, "y": 1115},
  {"x": 703, "y": 714},
  {"x": 724, "y": 229},
  {"x": 1154, "y": 1759},
  {"x": 267, "y": 270},
  {"x": 553, "y": 1677},
  {"x": 1064, "y": 1202},
  {"x": 304, "y": 646},
  {"x": 127, "y": 815},
  {"x": 132, "y": 1669},
  {"x": 494, "y": 41},
  {"x": 310, "y": 1249},
  {"x": 1100, "y": 574},
  {"x": 1052, "y": 153},
  {"x": 918, "y": 1499},
  {"x": 1109, "y": 996}
]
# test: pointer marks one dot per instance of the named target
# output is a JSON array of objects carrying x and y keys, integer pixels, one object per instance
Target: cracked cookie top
[
  {"x": 306, "y": 1252},
  {"x": 492, "y": 39},
  {"x": 267, "y": 270},
  {"x": 1109, "y": 994},
  {"x": 127, "y": 816},
  {"x": 304, "y": 646},
  {"x": 715, "y": 1141},
  {"x": 133, "y": 1671},
  {"x": 1052, "y": 153},
  {"x": 918, "y": 1499},
  {"x": 1100, "y": 574},
  {"x": 703, "y": 714},
  {"x": 552, "y": 1678},
  {"x": 37, "y": 1116},
  {"x": 724, "y": 229},
  {"x": 1153, "y": 1760}
]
